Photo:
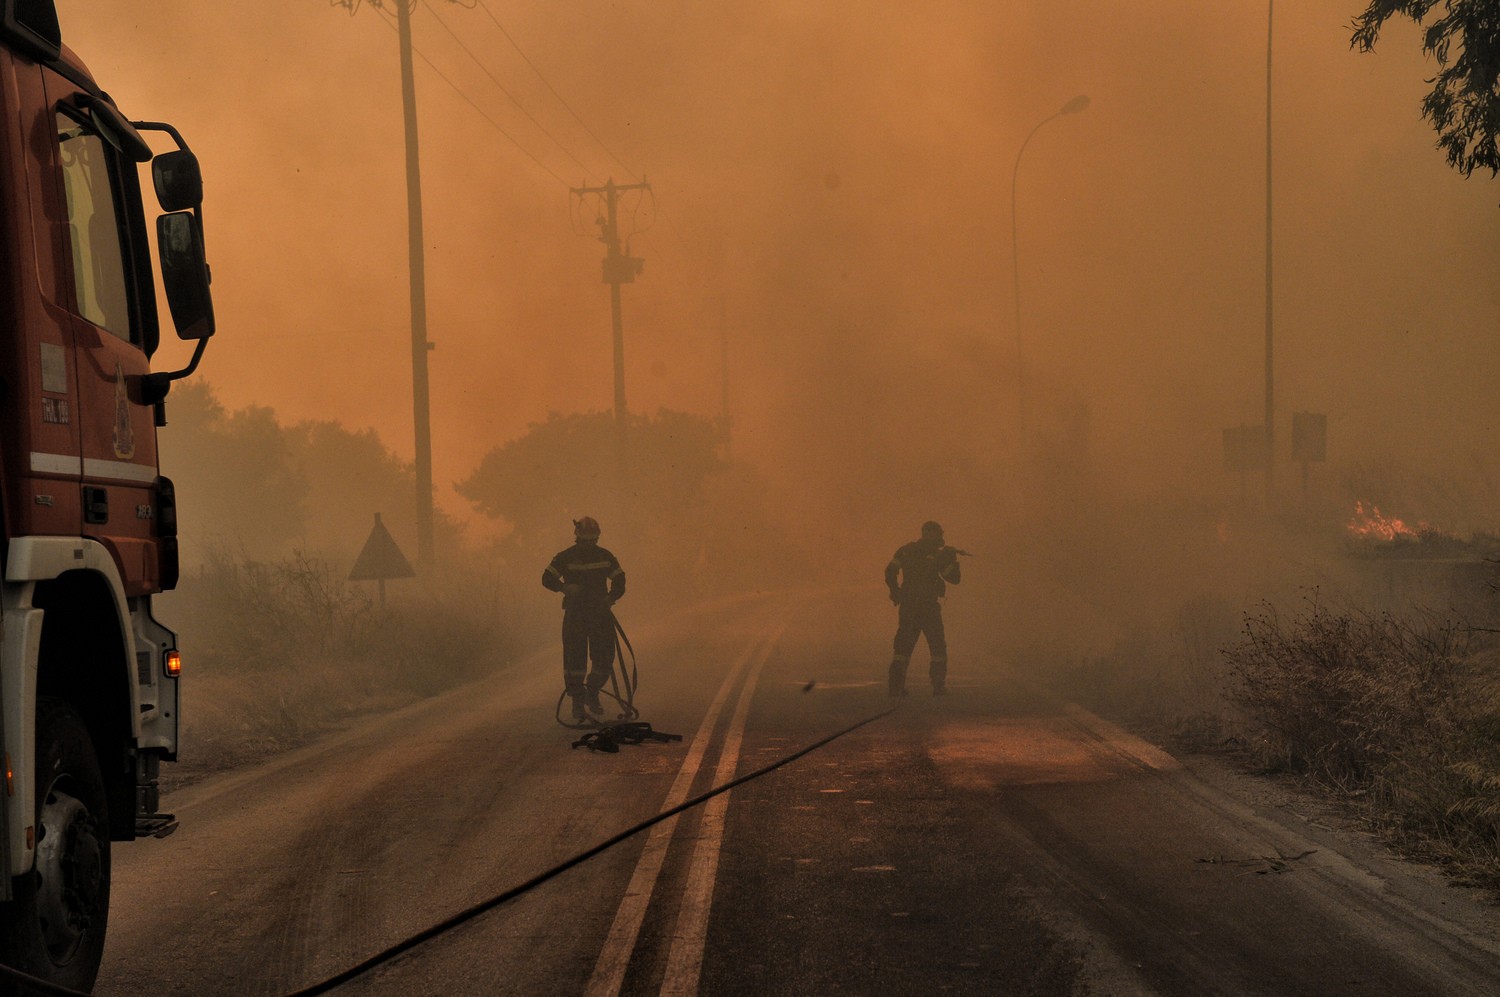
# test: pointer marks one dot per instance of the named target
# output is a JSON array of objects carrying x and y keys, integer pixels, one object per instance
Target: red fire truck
[{"x": 88, "y": 678}]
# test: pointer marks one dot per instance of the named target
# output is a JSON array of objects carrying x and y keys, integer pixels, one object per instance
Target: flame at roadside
[{"x": 1373, "y": 525}]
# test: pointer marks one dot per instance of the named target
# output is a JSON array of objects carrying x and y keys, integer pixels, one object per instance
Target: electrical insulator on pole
[{"x": 619, "y": 268}]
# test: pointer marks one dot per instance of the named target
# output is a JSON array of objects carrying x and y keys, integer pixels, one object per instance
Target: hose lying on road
[
  {"x": 563, "y": 867},
  {"x": 410, "y": 943},
  {"x": 30, "y": 984}
]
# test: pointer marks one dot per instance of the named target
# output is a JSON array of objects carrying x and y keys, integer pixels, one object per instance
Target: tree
[
  {"x": 237, "y": 477},
  {"x": 566, "y": 467},
  {"x": 351, "y": 475},
  {"x": 1464, "y": 105},
  {"x": 247, "y": 481}
]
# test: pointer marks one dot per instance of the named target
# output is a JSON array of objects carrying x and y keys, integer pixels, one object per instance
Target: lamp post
[
  {"x": 1071, "y": 107},
  {"x": 1270, "y": 298}
]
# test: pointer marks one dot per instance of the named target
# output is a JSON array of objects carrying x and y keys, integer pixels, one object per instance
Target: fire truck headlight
[{"x": 171, "y": 662}]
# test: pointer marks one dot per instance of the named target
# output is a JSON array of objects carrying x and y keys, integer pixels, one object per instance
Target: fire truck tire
[{"x": 54, "y": 926}]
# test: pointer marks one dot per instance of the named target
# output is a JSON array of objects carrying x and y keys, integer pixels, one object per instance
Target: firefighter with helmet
[
  {"x": 918, "y": 577},
  {"x": 591, "y": 581}
]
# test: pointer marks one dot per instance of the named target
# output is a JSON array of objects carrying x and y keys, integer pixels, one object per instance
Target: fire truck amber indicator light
[{"x": 173, "y": 663}]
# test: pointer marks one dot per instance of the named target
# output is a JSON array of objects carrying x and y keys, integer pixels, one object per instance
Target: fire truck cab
[{"x": 88, "y": 678}]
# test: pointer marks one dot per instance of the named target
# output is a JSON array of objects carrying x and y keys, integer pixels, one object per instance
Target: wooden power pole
[
  {"x": 619, "y": 268},
  {"x": 420, "y": 402},
  {"x": 416, "y": 265}
]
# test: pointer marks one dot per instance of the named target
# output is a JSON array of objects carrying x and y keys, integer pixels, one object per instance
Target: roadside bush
[
  {"x": 251, "y": 616},
  {"x": 279, "y": 652},
  {"x": 1333, "y": 694},
  {"x": 1398, "y": 711}
]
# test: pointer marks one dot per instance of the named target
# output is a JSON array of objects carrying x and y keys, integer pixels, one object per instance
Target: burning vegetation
[
  {"x": 1375, "y": 534},
  {"x": 1373, "y": 525}
]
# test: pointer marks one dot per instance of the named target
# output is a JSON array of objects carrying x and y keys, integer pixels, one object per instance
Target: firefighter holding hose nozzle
[
  {"x": 591, "y": 581},
  {"x": 918, "y": 577}
]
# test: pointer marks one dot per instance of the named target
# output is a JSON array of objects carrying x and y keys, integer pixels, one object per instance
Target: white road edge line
[
  {"x": 614, "y": 958},
  {"x": 1121, "y": 741},
  {"x": 685, "y": 958}
]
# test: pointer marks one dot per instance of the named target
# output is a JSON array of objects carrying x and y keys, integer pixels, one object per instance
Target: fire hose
[
  {"x": 620, "y": 677},
  {"x": 35, "y": 985},
  {"x": 624, "y": 680}
]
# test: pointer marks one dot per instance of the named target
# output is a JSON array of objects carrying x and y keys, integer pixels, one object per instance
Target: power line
[
  {"x": 656, "y": 209},
  {"x": 513, "y": 99},
  {"x": 582, "y": 124},
  {"x": 469, "y": 100}
]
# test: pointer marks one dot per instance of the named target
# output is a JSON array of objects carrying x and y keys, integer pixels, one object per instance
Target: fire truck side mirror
[
  {"x": 178, "y": 180},
  {"x": 184, "y": 274}
]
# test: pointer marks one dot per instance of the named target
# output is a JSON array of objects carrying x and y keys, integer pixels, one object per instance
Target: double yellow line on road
[{"x": 685, "y": 959}]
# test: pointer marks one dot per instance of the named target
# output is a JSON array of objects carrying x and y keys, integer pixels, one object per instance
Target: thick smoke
[{"x": 833, "y": 198}]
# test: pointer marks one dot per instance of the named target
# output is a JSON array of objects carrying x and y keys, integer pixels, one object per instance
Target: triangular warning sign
[{"x": 381, "y": 558}]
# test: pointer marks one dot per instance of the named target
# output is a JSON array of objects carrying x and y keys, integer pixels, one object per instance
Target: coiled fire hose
[{"x": 620, "y": 677}]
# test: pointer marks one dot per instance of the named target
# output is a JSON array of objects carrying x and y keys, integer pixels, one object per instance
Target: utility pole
[
  {"x": 619, "y": 268},
  {"x": 724, "y": 370},
  {"x": 1270, "y": 299},
  {"x": 420, "y": 404},
  {"x": 416, "y": 266},
  {"x": 1079, "y": 103}
]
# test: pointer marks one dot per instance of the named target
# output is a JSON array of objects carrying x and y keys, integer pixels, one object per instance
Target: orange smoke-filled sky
[{"x": 833, "y": 197}]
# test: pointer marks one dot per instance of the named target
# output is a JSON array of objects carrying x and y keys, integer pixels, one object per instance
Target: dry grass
[
  {"x": 1398, "y": 712},
  {"x": 279, "y": 653}
]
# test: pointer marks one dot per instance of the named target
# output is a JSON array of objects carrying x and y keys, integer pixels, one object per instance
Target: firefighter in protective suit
[
  {"x": 591, "y": 581},
  {"x": 918, "y": 576}
]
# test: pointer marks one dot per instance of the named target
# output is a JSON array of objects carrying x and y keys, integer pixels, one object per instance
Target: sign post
[{"x": 380, "y": 559}]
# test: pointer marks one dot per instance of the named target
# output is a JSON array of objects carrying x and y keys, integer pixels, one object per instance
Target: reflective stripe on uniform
[
  {"x": 553, "y": 569},
  {"x": 591, "y": 566},
  {"x": 617, "y": 572}
]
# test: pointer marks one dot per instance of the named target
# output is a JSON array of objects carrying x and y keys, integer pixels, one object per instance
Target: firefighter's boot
[
  {"x": 939, "y": 675},
  {"x": 897, "y": 678},
  {"x": 580, "y": 715},
  {"x": 591, "y": 702}
]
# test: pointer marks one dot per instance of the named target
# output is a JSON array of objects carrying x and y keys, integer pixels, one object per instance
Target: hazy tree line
[
  {"x": 249, "y": 483},
  {"x": 251, "y": 487},
  {"x": 273, "y": 515}
]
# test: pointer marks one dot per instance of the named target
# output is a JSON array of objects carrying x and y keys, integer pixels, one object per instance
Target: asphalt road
[{"x": 991, "y": 841}]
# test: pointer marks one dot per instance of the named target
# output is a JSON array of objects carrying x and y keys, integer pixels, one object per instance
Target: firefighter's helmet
[
  {"x": 586, "y": 528},
  {"x": 931, "y": 527}
]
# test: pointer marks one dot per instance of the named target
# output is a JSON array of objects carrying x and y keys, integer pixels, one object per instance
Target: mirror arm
[
  {"x": 154, "y": 386},
  {"x": 161, "y": 126}
]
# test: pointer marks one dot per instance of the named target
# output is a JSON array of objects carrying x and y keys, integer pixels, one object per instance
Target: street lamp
[{"x": 1071, "y": 107}]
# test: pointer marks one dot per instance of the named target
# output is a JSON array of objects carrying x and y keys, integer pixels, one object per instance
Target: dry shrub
[
  {"x": 280, "y": 652},
  {"x": 1401, "y": 711},
  {"x": 1332, "y": 694},
  {"x": 251, "y": 616}
]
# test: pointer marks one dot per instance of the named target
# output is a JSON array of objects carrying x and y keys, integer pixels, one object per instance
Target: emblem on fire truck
[{"x": 124, "y": 435}]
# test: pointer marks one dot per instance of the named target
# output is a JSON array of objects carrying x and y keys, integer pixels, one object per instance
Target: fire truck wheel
[{"x": 54, "y": 927}]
